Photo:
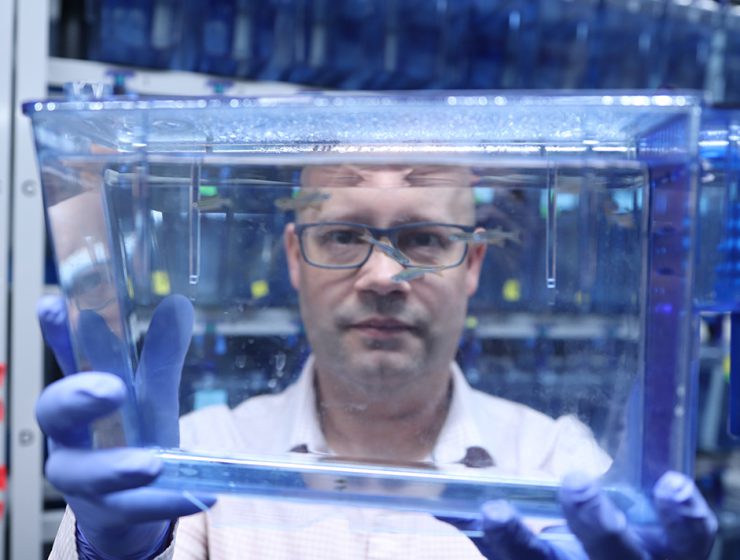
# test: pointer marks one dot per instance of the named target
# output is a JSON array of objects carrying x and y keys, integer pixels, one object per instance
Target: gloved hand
[
  {"x": 118, "y": 516},
  {"x": 687, "y": 530}
]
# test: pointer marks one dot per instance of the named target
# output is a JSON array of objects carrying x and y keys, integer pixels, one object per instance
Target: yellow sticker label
[
  {"x": 726, "y": 367},
  {"x": 512, "y": 290},
  {"x": 160, "y": 283},
  {"x": 259, "y": 289}
]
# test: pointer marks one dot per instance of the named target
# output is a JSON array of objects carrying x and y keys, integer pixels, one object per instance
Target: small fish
[
  {"x": 213, "y": 203},
  {"x": 620, "y": 217},
  {"x": 414, "y": 272},
  {"x": 388, "y": 250},
  {"x": 304, "y": 199},
  {"x": 111, "y": 177},
  {"x": 496, "y": 236}
]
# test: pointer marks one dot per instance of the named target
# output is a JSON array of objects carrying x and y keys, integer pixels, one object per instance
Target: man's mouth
[{"x": 381, "y": 326}]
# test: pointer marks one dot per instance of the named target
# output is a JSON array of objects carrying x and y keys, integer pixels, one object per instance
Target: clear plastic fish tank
[{"x": 412, "y": 301}]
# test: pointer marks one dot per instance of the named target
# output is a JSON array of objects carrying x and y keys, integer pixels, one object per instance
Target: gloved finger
[
  {"x": 470, "y": 525},
  {"x": 66, "y": 408},
  {"x": 158, "y": 376},
  {"x": 505, "y": 537},
  {"x": 142, "y": 540},
  {"x": 84, "y": 472},
  {"x": 600, "y": 526},
  {"x": 52, "y": 315},
  {"x": 100, "y": 346},
  {"x": 689, "y": 524},
  {"x": 140, "y": 505}
]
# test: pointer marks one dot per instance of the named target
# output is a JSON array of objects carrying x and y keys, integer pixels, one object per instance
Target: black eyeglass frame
[{"x": 390, "y": 233}]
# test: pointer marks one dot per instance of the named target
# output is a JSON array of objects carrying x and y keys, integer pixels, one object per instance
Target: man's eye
[
  {"x": 91, "y": 280},
  {"x": 342, "y": 237},
  {"x": 424, "y": 239}
]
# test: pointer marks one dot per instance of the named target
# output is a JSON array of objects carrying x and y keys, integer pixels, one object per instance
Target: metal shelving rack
[
  {"x": 28, "y": 54},
  {"x": 27, "y": 72},
  {"x": 157, "y": 82},
  {"x": 6, "y": 116}
]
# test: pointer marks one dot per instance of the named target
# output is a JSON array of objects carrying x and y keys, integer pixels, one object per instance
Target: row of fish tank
[
  {"x": 566, "y": 243},
  {"x": 379, "y": 44}
]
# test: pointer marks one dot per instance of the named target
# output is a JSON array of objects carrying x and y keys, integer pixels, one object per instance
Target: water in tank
[{"x": 415, "y": 301}]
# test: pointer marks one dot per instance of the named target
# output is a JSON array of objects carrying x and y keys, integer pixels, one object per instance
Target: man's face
[
  {"x": 81, "y": 247},
  {"x": 364, "y": 327}
]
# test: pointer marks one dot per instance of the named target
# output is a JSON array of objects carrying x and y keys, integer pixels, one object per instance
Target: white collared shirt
[
  {"x": 512, "y": 438},
  {"x": 521, "y": 441}
]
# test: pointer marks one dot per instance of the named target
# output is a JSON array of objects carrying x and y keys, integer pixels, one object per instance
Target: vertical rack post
[
  {"x": 26, "y": 364},
  {"x": 7, "y": 17}
]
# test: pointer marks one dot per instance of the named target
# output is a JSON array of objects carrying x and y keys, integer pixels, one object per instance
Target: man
[{"x": 381, "y": 385}]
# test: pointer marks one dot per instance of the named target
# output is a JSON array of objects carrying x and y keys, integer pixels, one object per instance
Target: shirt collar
[
  {"x": 305, "y": 435},
  {"x": 459, "y": 441}
]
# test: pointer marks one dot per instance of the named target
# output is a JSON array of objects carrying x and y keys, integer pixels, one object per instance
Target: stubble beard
[
  {"x": 372, "y": 368},
  {"x": 376, "y": 369}
]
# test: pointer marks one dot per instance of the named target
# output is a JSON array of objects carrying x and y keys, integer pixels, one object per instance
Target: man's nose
[{"x": 377, "y": 274}]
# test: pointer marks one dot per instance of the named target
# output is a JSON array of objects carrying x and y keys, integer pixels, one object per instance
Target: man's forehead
[
  {"x": 449, "y": 202},
  {"x": 385, "y": 175}
]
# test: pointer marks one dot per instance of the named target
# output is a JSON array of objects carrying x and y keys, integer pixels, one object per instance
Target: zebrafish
[
  {"x": 388, "y": 250},
  {"x": 301, "y": 201},
  {"x": 214, "y": 203},
  {"x": 496, "y": 236},
  {"x": 414, "y": 272}
]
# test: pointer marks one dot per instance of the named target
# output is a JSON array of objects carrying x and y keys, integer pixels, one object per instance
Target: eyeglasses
[
  {"x": 92, "y": 289},
  {"x": 344, "y": 245}
]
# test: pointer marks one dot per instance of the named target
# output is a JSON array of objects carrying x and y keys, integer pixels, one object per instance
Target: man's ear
[
  {"x": 292, "y": 254},
  {"x": 476, "y": 254}
]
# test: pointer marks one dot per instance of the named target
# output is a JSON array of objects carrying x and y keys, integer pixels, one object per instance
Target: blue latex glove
[
  {"x": 118, "y": 516},
  {"x": 687, "y": 531}
]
